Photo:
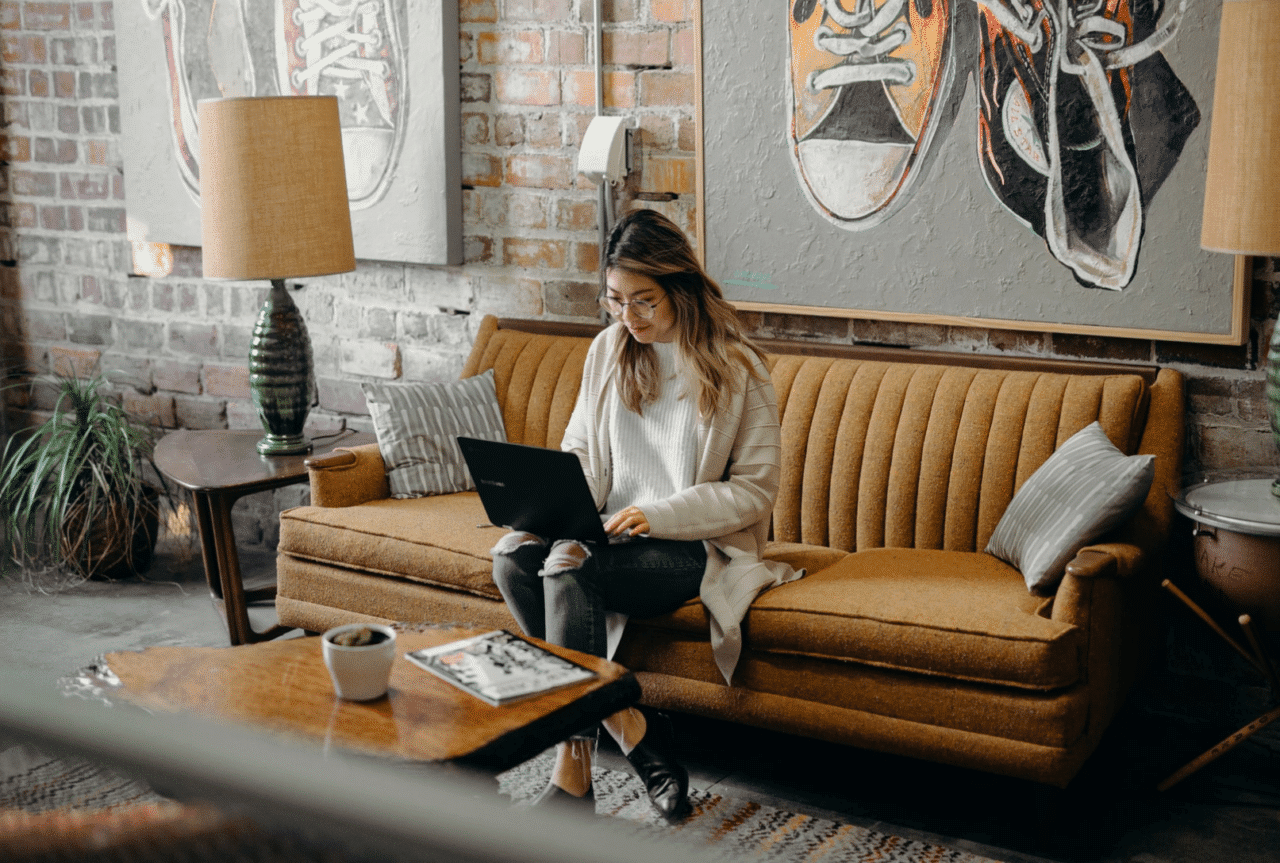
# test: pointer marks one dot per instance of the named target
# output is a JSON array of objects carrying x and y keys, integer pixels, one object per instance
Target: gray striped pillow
[
  {"x": 416, "y": 426},
  {"x": 1081, "y": 491}
]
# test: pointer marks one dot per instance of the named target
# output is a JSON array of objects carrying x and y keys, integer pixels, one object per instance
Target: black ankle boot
[{"x": 666, "y": 781}]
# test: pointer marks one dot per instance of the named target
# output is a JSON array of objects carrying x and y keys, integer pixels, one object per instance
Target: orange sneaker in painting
[{"x": 871, "y": 89}]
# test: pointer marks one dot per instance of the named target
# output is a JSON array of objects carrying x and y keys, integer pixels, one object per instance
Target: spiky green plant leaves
[{"x": 75, "y": 491}]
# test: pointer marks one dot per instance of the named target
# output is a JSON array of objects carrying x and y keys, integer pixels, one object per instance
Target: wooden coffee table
[{"x": 284, "y": 688}]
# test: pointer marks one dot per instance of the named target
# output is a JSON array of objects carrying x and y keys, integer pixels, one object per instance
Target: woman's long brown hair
[{"x": 709, "y": 340}]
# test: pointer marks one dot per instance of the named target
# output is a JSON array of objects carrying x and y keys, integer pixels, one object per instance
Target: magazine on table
[{"x": 499, "y": 667}]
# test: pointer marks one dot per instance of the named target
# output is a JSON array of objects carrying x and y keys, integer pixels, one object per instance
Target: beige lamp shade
[
  {"x": 1242, "y": 185},
  {"x": 273, "y": 188}
]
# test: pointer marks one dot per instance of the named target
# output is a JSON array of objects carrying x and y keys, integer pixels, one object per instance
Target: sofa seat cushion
[
  {"x": 692, "y": 617},
  {"x": 799, "y": 555},
  {"x": 432, "y": 539},
  {"x": 963, "y": 615}
]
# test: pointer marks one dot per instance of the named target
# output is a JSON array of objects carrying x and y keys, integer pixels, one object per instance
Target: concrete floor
[{"x": 1228, "y": 811}]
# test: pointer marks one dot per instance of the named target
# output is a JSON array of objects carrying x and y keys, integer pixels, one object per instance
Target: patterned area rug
[
  {"x": 738, "y": 829},
  {"x": 34, "y": 782},
  {"x": 53, "y": 808}
]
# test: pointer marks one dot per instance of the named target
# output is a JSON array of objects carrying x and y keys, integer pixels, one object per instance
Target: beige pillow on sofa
[
  {"x": 1084, "y": 489},
  {"x": 417, "y": 426}
]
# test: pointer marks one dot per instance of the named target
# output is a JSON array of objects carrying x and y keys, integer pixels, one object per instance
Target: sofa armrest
[
  {"x": 348, "y": 476},
  {"x": 1093, "y": 563},
  {"x": 1110, "y": 562},
  {"x": 1128, "y": 559},
  {"x": 1120, "y": 559}
]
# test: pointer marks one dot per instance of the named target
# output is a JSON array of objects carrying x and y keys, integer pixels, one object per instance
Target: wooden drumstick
[
  {"x": 1213, "y": 624},
  {"x": 1225, "y": 746},
  {"x": 1246, "y": 623}
]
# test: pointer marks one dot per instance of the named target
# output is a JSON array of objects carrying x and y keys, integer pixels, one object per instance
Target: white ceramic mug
[{"x": 360, "y": 673}]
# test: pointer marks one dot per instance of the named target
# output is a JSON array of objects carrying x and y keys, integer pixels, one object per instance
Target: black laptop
[{"x": 540, "y": 490}]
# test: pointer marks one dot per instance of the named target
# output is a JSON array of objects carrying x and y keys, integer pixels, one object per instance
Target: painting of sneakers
[
  {"x": 1031, "y": 165},
  {"x": 353, "y": 51},
  {"x": 173, "y": 53},
  {"x": 871, "y": 88},
  {"x": 1081, "y": 120}
]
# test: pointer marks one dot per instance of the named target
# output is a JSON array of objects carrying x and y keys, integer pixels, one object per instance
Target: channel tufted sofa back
[
  {"x": 875, "y": 454},
  {"x": 537, "y": 377},
  {"x": 878, "y": 454}
]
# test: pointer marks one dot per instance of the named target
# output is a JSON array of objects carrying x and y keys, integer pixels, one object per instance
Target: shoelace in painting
[
  {"x": 870, "y": 34},
  {"x": 334, "y": 35}
]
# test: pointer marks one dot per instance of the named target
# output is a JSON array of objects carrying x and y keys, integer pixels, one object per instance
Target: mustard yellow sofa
[{"x": 904, "y": 636}]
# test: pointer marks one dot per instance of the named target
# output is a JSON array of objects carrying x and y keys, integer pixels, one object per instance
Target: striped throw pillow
[
  {"x": 417, "y": 426},
  {"x": 1084, "y": 489}
]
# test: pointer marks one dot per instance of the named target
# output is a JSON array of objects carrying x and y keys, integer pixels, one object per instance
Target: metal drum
[{"x": 1237, "y": 540}]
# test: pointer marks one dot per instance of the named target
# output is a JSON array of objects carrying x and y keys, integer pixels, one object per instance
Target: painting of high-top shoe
[
  {"x": 1081, "y": 120},
  {"x": 369, "y": 55},
  {"x": 351, "y": 49},
  {"x": 873, "y": 87},
  {"x": 190, "y": 76}
]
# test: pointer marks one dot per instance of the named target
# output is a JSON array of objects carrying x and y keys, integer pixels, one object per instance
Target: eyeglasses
[{"x": 640, "y": 308}]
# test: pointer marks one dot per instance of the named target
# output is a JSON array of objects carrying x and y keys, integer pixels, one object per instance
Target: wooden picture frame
[{"x": 749, "y": 211}]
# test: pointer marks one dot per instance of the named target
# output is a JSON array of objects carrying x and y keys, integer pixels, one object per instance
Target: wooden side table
[
  {"x": 219, "y": 467},
  {"x": 1237, "y": 548}
]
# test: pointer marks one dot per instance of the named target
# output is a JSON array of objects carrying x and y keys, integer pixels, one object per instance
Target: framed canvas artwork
[
  {"x": 1022, "y": 164},
  {"x": 392, "y": 64}
]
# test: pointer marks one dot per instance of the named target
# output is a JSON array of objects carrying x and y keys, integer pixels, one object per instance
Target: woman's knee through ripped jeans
[{"x": 561, "y": 591}]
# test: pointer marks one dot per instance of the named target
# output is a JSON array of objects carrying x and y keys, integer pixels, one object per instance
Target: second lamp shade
[{"x": 1241, "y": 215}]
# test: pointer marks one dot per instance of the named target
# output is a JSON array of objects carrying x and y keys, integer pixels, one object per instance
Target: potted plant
[{"x": 79, "y": 492}]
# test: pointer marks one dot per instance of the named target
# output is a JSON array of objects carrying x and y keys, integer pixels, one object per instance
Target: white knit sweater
[
  {"x": 728, "y": 506},
  {"x": 660, "y": 443}
]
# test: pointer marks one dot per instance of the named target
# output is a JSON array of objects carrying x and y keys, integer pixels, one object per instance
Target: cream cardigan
[{"x": 729, "y": 505}]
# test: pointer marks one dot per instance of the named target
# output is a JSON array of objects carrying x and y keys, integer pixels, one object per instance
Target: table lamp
[
  {"x": 273, "y": 195},
  {"x": 1241, "y": 206}
]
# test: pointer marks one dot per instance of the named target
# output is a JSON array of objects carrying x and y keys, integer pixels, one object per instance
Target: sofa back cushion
[
  {"x": 874, "y": 454},
  {"x": 536, "y": 377},
  {"x": 884, "y": 454}
]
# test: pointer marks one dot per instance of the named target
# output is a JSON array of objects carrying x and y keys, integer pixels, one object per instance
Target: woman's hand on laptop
[{"x": 630, "y": 521}]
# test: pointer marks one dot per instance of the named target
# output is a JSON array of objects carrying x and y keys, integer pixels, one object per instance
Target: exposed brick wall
[{"x": 68, "y": 299}]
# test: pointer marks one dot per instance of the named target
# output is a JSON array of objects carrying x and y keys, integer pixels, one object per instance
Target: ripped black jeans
[{"x": 561, "y": 593}]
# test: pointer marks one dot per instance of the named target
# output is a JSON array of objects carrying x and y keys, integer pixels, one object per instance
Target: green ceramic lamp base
[
  {"x": 281, "y": 381},
  {"x": 283, "y": 444}
]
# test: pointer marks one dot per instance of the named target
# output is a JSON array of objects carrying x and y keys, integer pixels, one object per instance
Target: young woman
[{"x": 676, "y": 426}]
